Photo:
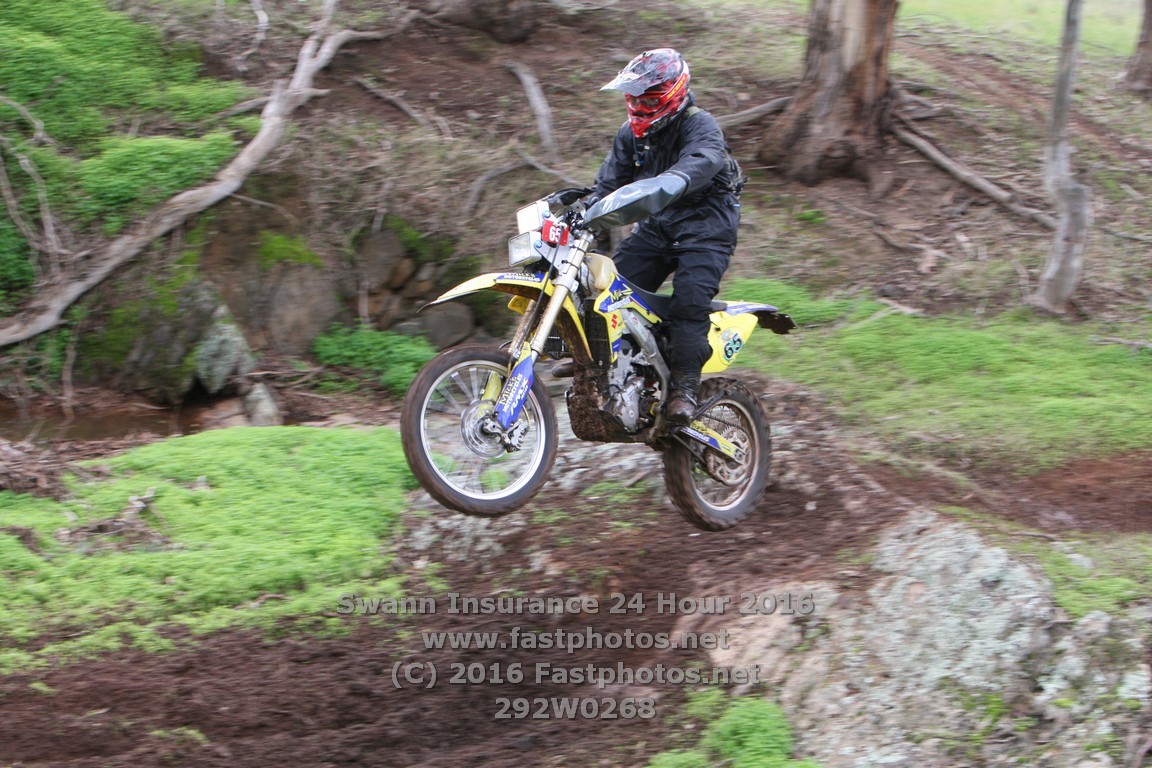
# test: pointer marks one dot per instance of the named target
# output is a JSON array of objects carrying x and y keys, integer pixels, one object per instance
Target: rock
[
  {"x": 378, "y": 259},
  {"x": 260, "y": 407},
  {"x": 148, "y": 346},
  {"x": 956, "y": 640},
  {"x": 303, "y": 303},
  {"x": 224, "y": 414},
  {"x": 401, "y": 273},
  {"x": 223, "y": 352},
  {"x": 447, "y": 324}
]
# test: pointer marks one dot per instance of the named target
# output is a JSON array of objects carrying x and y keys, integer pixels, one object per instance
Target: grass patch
[
  {"x": 752, "y": 733},
  {"x": 392, "y": 358},
  {"x": 287, "y": 517},
  {"x": 1027, "y": 393},
  {"x": 1089, "y": 571},
  {"x": 1111, "y": 24}
]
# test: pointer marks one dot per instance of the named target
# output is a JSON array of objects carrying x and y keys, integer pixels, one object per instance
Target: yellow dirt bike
[{"x": 479, "y": 428}]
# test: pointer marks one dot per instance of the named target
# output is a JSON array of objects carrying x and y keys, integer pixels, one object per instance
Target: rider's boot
[
  {"x": 564, "y": 370},
  {"x": 683, "y": 390}
]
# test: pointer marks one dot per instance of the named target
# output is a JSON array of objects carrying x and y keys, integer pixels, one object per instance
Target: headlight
[
  {"x": 520, "y": 249},
  {"x": 531, "y": 217}
]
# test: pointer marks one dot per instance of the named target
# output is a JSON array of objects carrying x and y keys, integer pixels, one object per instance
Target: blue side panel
[
  {"x": 515, "y": 392},
  {"x": 619, "y": 295}
]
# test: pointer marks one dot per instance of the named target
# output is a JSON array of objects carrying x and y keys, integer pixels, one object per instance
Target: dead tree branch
[
  {"x": 755, "y": 113},
  {"x": 545, "y": 169},
  {"x": 44, "y": 241},
  {"x": 251, "y": 105},
  {"x": 539, "y": 106},
  {"x": 1126, "y": 236},
  {"x": 258, "y": 40},
  {"x": 394, "y": 100},
  {"x": 38, "y": 134},
  {"x": 1125, "y": 342},
  {"x": 966, "y": 175},
  {"x": 46, "y": 309},
  {"x": 477, "y": 189}
]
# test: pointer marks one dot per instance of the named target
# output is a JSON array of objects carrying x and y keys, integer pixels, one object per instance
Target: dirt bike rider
[{"x": 694, "y": 217}]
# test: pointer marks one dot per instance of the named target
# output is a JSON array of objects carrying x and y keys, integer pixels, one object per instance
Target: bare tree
[
  {"x": 1140, "y": 65},
  {"x": 839, "y": 114},
  {"x": 1074, "y": 200},
  {"x": 82, "y": 274}
]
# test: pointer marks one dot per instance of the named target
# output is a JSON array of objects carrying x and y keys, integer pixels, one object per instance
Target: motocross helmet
[{"x": 655, "y": 85}]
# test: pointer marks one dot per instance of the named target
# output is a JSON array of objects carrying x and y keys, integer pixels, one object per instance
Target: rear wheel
[
  {"x": 711, "y": 491},
  {"x": 459, "y": 463}
]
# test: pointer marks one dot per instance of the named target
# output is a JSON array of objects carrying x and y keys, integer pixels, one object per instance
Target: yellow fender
[{"x": 525, "y": 286}]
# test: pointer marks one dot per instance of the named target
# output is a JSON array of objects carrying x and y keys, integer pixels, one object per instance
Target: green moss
[
  {"x": 108, "y": 346},
  {"x": 131, "y": 174},
  {"x": 393, "y": 358},
  {"x": 236, "y": 514},
  {"x": 285, "y": 249},
  {"x": 420, "y": 246},
  {"x": 752, "y": 733}
]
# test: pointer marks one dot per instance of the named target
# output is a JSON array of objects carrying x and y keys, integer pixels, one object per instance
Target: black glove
[
  {"x": 568, "y": 195},
  {"x": 563, "y": 199}
]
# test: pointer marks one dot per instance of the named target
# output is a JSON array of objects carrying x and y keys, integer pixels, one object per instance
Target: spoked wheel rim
[
  {"x": 460, "y": 453},
  {"x": 720, "y": 482}
]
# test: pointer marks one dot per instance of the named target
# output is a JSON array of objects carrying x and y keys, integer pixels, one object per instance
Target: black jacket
[{"x": 690, "y": 146}]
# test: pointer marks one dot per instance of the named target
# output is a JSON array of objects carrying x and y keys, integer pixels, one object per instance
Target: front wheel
[
  {"x": 711, "y": 491},
  {"x": 459, "y": 463}
]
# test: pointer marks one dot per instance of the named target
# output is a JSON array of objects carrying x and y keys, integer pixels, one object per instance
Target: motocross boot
[
  {"x": 564, "y": 370},
  {"x": 682, "y": 396}
]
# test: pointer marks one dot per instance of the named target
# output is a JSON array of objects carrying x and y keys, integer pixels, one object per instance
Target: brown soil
[{"x": 243, "y": 699}]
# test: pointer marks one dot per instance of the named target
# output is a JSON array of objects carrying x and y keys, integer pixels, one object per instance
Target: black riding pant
[{"x": 694, "y": 243}]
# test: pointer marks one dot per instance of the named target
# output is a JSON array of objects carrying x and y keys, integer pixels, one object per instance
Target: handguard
[{"x": 635, "y": 201}]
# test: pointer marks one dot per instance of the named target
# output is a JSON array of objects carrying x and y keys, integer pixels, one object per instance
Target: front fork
[{"x": 510, "y": 402}]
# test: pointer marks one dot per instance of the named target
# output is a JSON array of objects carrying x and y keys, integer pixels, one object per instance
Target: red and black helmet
[{"x": 655, "y": 85}]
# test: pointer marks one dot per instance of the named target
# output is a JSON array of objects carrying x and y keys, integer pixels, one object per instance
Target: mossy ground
[{"x": 235, "y": 515}]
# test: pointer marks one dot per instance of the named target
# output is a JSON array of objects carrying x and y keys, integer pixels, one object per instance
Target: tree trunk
[
  {"x": 836, "y": 121},
  {"x": 1140, "y": 65},
  {"x": 1074, "y": 200}
]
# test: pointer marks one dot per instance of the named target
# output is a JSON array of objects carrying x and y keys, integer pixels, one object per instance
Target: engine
[{"x": 631, "y": 396}]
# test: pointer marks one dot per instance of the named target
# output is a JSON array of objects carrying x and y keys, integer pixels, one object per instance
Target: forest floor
[{"x": 242, "y": 698}]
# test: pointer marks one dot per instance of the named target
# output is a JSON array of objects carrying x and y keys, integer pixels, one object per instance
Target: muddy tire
[
  {"x": 711, "y": 492},
  {"x": 460, "y": 465}
]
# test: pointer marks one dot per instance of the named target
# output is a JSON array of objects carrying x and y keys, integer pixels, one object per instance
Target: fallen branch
[
  {"x": 477, "y": 189},
  {"x": 526, "y": 161},
  {"x": 243, "y": 107},
  {"x": 279, "y": 209},
  {"x": 258, "y": 40},
  {"x": 754, "y": 114},
  {"x": 1125, "y": 342},
  {"x": 545, "y": 169},
  {"x": 964, "y": 174},
  {"x": 1126, "y": 236},
  {"x": 315, "y": 54},
  {"x": 38, "y": 134},
  {"x": 539, "y": 106},
  {"x": 12, "y": 204},
  {"x": 394, "y": 100}
]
